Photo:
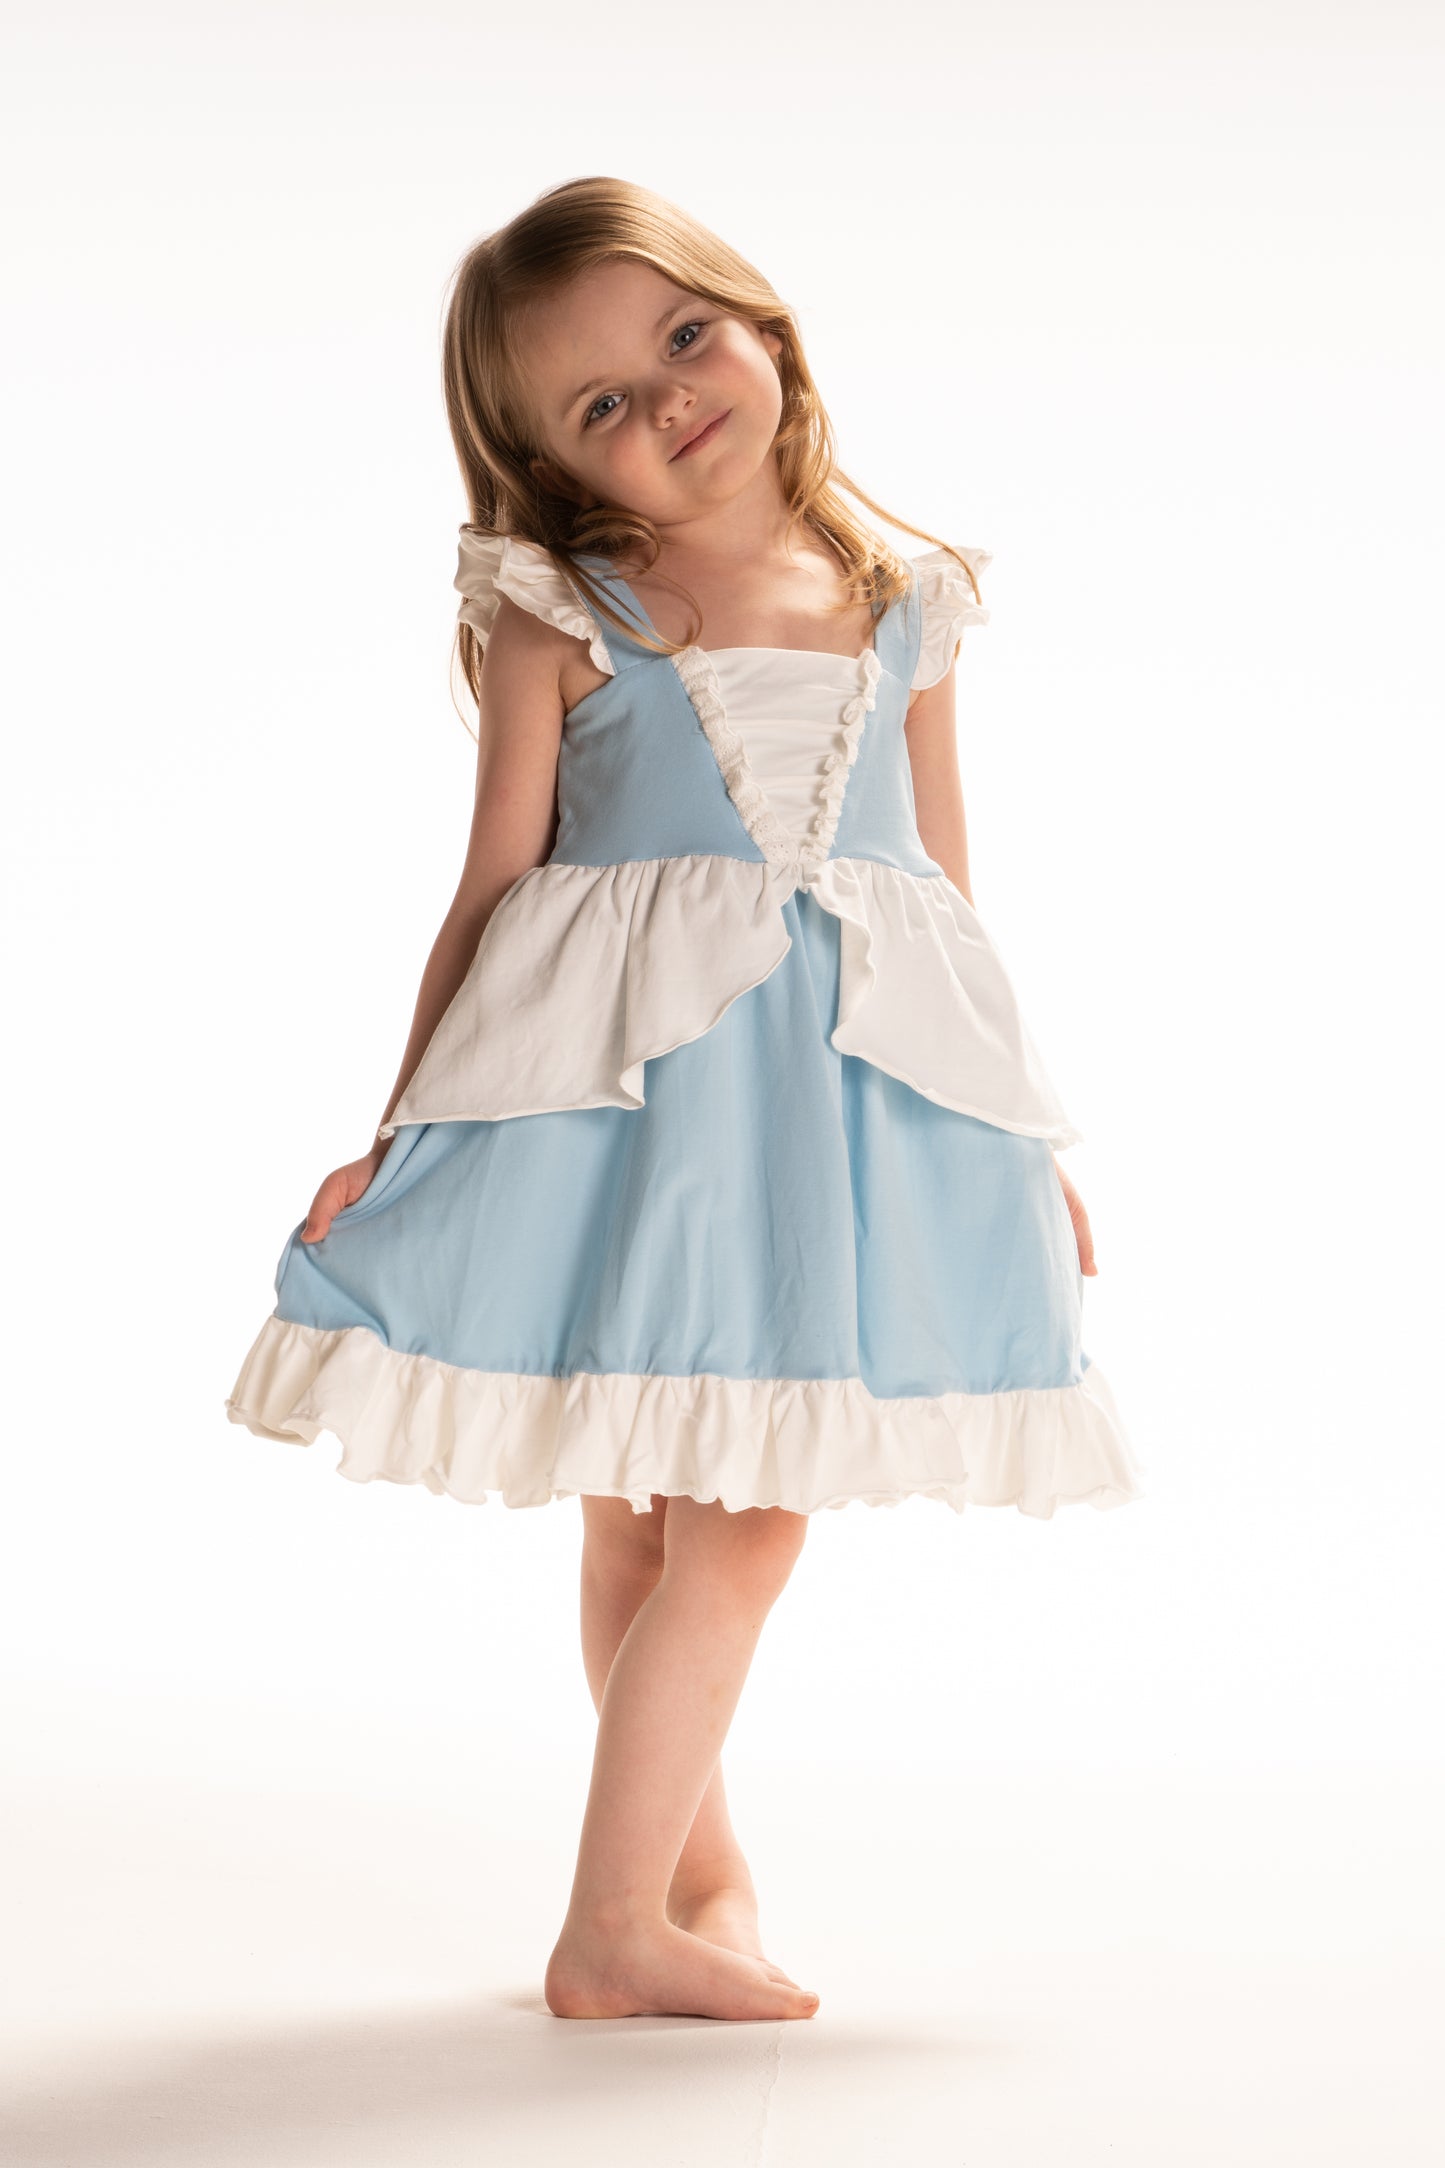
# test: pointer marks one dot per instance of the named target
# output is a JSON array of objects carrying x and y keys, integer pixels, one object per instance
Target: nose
[{"x": 672, "y": 409}]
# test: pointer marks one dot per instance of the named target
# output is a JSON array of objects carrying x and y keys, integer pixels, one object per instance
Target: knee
[
  {"x": 620, "y": 1545},
  {"x": 754, "y": 1550}
]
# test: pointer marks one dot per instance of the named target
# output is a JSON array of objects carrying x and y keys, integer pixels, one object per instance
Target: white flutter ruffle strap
[
  {"x": 492, "y": 565},
  {"x": 949, "y": 606}
]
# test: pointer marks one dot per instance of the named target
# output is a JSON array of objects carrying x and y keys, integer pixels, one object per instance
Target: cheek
[
  {"x": 627, "y": 453},
  {"x": 760, "y": 388},
  {"x": 745, "y": 366},
  {"x": 605, "y": 450},
  {"x": 628, "y": 470}
]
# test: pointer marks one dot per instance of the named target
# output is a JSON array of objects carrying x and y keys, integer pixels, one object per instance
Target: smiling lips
[{"x": 705, "y": 435}]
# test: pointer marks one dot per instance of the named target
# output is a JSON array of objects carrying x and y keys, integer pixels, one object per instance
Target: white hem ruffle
[{"x": 805, "y": 1444}]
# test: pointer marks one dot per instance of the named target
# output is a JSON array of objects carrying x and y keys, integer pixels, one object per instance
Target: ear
[{"x": 772, "y": 340}]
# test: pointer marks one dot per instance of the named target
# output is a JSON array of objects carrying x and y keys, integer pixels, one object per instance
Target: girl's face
[{"x": 623, "y": 366}]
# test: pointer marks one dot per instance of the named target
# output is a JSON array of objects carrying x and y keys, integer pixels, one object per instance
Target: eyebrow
[{"x": 595, "y": 383}]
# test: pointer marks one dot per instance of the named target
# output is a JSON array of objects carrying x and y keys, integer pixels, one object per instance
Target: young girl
[{"x": 717, "y": 1185}]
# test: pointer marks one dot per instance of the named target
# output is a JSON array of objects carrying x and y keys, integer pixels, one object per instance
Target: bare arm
[
  {"x": 514, "y": 813},
  {"x": 514, "y": 826},
  {"x": 931, "y": 731}
]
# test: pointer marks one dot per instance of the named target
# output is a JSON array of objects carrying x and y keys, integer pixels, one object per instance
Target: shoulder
[
  {"x": 949, "y": 595},
  {"x": 496, "y": 568}
]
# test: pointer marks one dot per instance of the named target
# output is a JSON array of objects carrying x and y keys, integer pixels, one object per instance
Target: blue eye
[{"x": 694, "y": 323}]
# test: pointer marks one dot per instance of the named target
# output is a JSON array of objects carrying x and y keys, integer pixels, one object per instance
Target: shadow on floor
[{"x": 397, "y": 2084}]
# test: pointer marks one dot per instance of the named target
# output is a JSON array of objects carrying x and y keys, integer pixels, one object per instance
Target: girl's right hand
[{"x": 341, "y": 1188}]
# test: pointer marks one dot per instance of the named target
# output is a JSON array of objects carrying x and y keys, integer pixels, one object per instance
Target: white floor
[{"x": 213, "y": 1958}]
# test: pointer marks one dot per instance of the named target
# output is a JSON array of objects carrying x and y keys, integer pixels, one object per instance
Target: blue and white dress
[{"x": 728, "y": 1171}]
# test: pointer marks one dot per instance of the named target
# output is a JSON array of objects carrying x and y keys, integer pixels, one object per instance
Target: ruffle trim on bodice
[
  {"x": 798, "y": 859},
  {"x": 584, "y": 973},
  {"x": 800, "y": 1443}
]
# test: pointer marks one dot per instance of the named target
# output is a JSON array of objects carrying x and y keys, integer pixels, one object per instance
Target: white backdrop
[{"x": 1144, "y": 301}]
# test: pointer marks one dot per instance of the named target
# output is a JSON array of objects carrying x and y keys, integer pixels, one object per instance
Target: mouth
[{"x": 702, "y": 436}]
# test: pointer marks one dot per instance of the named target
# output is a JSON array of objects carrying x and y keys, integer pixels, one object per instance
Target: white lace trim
[
  {"x": 801, "y": 1443},
  {"x": 490, "y": 566},
  {"x": 799, "y": 859}
]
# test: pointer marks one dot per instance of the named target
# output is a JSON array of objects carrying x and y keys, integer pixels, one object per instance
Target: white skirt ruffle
[{"x": 801, "y": 1443}]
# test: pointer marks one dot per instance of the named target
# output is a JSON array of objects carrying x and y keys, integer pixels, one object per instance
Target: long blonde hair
[{"x": 563, "y": 232}]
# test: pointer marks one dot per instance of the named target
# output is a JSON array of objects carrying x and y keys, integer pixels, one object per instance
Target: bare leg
[
  {"x": 712, "y": 1892},
  {"x": 668, "y": 1700}
]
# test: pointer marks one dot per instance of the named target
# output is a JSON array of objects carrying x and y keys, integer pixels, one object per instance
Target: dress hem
[{"x": 805, "y": 1444}]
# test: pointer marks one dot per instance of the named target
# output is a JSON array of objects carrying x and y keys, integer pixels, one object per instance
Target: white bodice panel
[{"x": 787, "y": 706}]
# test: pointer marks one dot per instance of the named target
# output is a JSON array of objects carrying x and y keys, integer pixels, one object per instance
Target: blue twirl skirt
[{"x": 788, "y": 1279}]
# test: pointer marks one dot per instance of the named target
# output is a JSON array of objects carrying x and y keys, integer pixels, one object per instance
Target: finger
[{"x": 319, "y": 1215}]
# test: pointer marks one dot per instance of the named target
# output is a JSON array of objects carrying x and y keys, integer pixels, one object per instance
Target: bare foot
[
  {"x": 727, "y": 1916},
  {"x": 659, "y": 1970}
]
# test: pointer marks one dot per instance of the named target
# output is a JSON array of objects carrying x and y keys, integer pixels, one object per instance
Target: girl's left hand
[{"x": 1082, "y": 1234}]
